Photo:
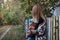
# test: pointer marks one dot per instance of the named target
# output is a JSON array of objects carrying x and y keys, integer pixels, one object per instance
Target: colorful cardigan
[{"x": 41, "y": 31}]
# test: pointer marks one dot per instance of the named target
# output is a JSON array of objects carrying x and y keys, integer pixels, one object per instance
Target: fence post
[
  {"x": 49, "y": 28},
  {"x": 53, "y": 28},
  {"x": 59, "y": 27}
]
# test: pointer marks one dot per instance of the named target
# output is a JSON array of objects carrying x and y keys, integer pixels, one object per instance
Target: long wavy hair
[{"x": 37, "y": 12}]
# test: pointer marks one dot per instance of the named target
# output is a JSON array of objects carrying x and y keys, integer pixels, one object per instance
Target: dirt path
[{"x": 4, "y": 33}]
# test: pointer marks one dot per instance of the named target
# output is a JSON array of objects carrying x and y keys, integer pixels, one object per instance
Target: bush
[{"x": 11, "y": 18}]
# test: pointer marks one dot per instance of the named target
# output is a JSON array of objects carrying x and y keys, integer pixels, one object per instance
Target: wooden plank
[
  {"x": 59, "y": 27},
  {"x": 48, "y": 28},
  {"x": 53, "y": 28}
]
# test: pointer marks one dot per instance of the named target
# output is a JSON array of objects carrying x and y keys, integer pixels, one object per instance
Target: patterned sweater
[{"x": 40, "y": 31}]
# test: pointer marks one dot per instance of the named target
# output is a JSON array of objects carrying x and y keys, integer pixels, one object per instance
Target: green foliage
[
  {"x": 11, "y": 18},
  {"x": 16, "y": 11},
  {"x": 46, "y": 4},
  {"x": 12, "y": 12}
]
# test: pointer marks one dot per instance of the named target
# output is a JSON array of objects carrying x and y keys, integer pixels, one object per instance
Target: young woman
[{"x": 37, "y": 28}]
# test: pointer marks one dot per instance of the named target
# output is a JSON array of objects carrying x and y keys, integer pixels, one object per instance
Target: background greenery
[{"x": 14, "y": 12}]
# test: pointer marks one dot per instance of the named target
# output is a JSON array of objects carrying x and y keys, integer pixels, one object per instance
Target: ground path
[{"x": 3, "y": 34}]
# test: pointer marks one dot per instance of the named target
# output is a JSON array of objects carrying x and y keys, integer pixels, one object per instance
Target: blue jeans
[{"x": 31, "y": 38}]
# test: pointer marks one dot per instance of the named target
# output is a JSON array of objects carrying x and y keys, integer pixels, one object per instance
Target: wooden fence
[{"x": 53, "y": 28}]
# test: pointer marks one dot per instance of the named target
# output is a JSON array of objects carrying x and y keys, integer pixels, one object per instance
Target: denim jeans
[{"x": 31, "y": 38}]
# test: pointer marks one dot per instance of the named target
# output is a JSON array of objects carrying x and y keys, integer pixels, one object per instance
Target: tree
[
  {"x": 46, "y": 5},
  {"x": 11, "y": 12}
]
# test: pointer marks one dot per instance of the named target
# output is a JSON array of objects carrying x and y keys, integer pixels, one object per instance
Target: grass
[{"x": 16, "y": 33}]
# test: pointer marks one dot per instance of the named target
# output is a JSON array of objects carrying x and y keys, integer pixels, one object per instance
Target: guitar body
[{"x": 32, "y": 27}]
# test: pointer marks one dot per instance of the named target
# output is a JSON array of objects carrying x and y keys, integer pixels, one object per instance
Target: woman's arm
[
  {"x": 41, "y": 29},
  {"x": 35, "y": 31}
]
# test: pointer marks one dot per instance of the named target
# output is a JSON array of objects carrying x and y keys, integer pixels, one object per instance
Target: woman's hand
[{"x": 33, "y": 31}]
